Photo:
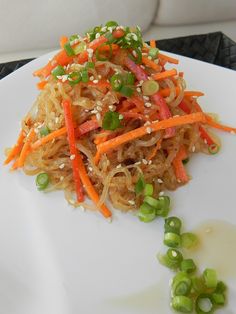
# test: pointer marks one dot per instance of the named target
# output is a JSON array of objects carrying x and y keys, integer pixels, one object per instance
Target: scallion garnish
[
  {"x": 44, "y": 131},
  {"x": 111, "y": 24},
  {"x": 172, "y": 259},
  {"x": 42, "y": 181},
  {"x": 188, "y": 265},
  {"x": 116, "y": 82},
  {"x": 84, "y": 75},
  {"x": 210, "y": 278},
  {"x": 146, "y": 213},
  {"x": 182, "y": 304},
  {"x": 74, "y": 78},
  {"x": 111, "y": 121},
  {"x": 150, "y": 87},
  {"x": 79, "y": 48},
  {"x": 173, "y": 224},
  {"x": 204, "y": 304},
  {"x": 153, "y": 52},
  {"x": 102, "y": 56},
  {"x": 213, "y": 149},
  {"x": 138, "y": 55},
  {"x": 129, "y": 79},
  {"x": 58, "y": 71},
  {"x": 181, "y": 284},
  {"x": 69, "y": 50},
  {"x": 188, "y": 240},
  {"x": 172, "y": 239},
  {"x": 90, "y": 65},
  {"x": 148, "y": 189},
  {"x": 126, "y": 91},
  {"x": 139, "y": 186}
]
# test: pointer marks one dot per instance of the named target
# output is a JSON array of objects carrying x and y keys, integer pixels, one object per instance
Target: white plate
[{"x": 58, "y": 260}]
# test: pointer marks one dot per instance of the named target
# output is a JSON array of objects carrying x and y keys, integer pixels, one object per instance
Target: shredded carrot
[
  {"x": 168, "y": 58},
  {"x": 16, "y": 148},
  {"x": 44, "y": 140},
  {"x": 15, "y": 165},
  {"x": 75, "y": 161},
  {"x": 26, "y": 148},
  {"x": 41, "y": 84},
  {"x": 205, "y": 136},
  {"x": 152, "y": 43},
  {"x": 63, "y": 41},
  {"x": 100, "y": 84},
  {"x": 155, "y": 126},
  {"x": 164, "y": 75},
  {"x": 90, "y": 188},
  {"x": 219, "y": 126},
  {"x": 151, "y": 64},
  {"x": 102, "y": 137},
  {"x": 165, "y": 92},
  {"x": 179, "y": 169},
  {"x": 155, "y": 149},
  {"x": 193, "y": 93},
  {"x": 138, "y": 102},
  {"x": 108, "y": 47}
]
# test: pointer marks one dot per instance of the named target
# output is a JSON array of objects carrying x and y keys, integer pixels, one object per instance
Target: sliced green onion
[
  {"x": 58, "y": 71},
  {"x": 182, "y": 304},
  {"x": 151, "y": 201},
  {"x": 173, "y": 224},
  {"x": 213, "y": 149},
  {"x": 164, "y": 206},
  {"x": 185, "y": 161},
  {"x": 116, "y": 82},
  {"x": 126, "y": 91},
  {"x": 79, "y": 48},
  {"x": 218, "y": 298},
  {"x": 181, "y": 284},
  {"x": 204, "y": 304},
  {"x": 210, "y": 278},
  {"x": 138, "y": 58},
  {"x": 73, "y": 37},
  {"x": 74, "y": 78},
  {"x": 153, "y": 52},
  {"x": 139, "y": 186},
  {"x": 44, "y": 131},
  {"x": 172, "y": 259},
  {"x": 90, "y": 65},
  {"x": 146, "y": 213},
  {"x": 42, "y": 181},
  {"x": 148, "y": 189},
  {"x": 111, "y": 121},
  {"x": 111, "y": 24},
  {"x": 172, "y": 239},
  {"x": 129, "y": 79},
  {"x": 188, "y": 240},
  {"x": 150, "y": 87},
  {"x": 188, "y": 265},
  {"x": 221, "y": 287},
  {"x": 199, "y": 284},
  {"x": 102, "y": 57},
  {"x": 84, "y": 76},
  {"x": 69, "y": 50}
]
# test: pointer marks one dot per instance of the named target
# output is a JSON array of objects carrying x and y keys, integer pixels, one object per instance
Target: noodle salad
[{"x": 111, "y": 121}]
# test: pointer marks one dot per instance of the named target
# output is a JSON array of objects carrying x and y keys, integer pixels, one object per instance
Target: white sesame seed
[
  {"x": 150, "y": 162},
  {"x": 121, "y": 117},
  {"x": 149, "y": 57},
  {"x": 36, "y": 130},
  {"x": 82, "y": 208},
  {"x": 61, "y": 166},
  {"x": 72, "y": 201},
  {"x": 95, "y": 81},
  {"x": 103, "y": 29},
  {"x": 178, "y": 180},
  {"x": 161, "y": 193},
  {"x": 90, "y": 168},
  {"x": 159, "y": 181},
  {"x": 141, "y": 82},
  {"x": 142, "y": 66},
  {"x": 94, "y": 111},
  {"x": 99, "y": 103},
  {"x": 175, "y": 116},
  {"x": 193, "y": 149},
  {"x": 98, "y": 116},
  {"x": 61, "y": 178},
  {"x": 110, "y": 29},
  {"x": 149, "y": 130},
  {"x": 91, "y": 78},
  {"x": 138, "y": 163},
  {"x": 119, "y": 166},
  {"x": 56, "y": 120},
  {"x": 205, "y": 141},
  {"x": 72, "y": 157},
  {"x": 97, "y": 35},
  {"x": 147, "y": 123},
  {"x": 134, "y": 53},
  {"x": 138, "y": 89},
  {"x": 99, "y": 108},
  {"x": 86, "y": 110},
  {"x": 99, "y": 76},
  {"x": 147, "y": 104},
  {"x": 146, "y": 98},
  {"x": 144, "y": 161},
  {"x": 232, "y": 132},
  {"x": 90, "y": 51},
  {"x": 144, "y": 54},
  {"x": 112, "y": 107},
  {"x": 131, "y": 202}
]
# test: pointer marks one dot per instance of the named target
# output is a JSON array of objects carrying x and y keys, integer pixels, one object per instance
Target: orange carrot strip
[
  {"x": 219, "y": 126},
  {"x": 164, "y": 75},
  {"x": 44, "y": 140},
  {"x": 103, "y": 137},
  {"x": 41, "y": 85},
  {"x": 107, "y": 47},
  {"x": 26, "y": 148},
  {"x": 179, "y": 169},
  {"x": 63, "y": 41},
  {"x": 100, "y": 84},
  {"x": 155, "y": 126},
  {"x": 15, "y": 165},
  {"x": 165, "y": 92},
  {"x": 90, "y": 188},
  {"x": 155, "y": 149},
  {"x": 193, "y": 93},
  {"x": 66, "y": 104},
  {"x": 16, "y": 148},
  {"x": 151, "y": 64},
  {"x": 152, "y": 43},
  {"x": 168, "y": 58}
]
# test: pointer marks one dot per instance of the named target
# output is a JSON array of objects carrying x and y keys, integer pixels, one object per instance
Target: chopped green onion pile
[
  {"x": 111, "y": 121},
  {"x": 42, "y": 181}
]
